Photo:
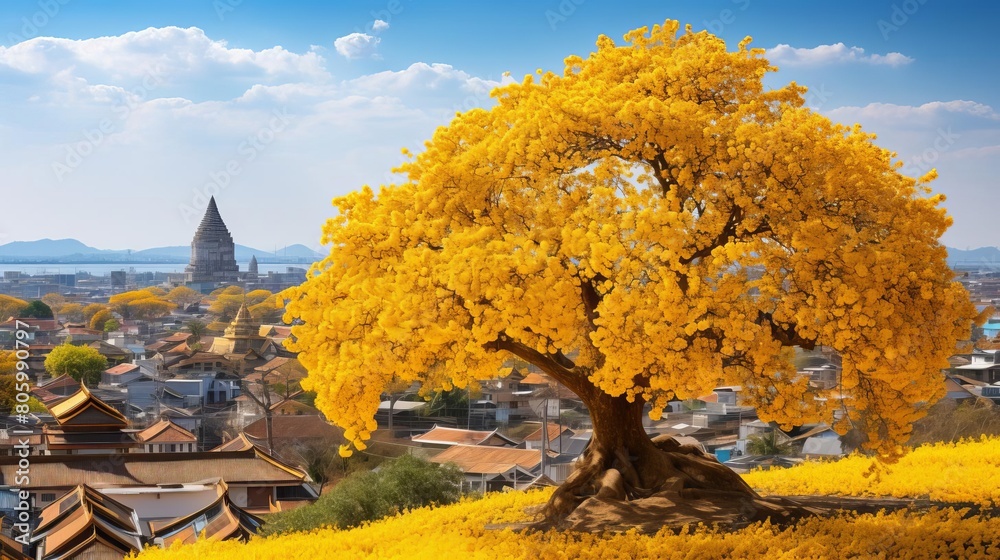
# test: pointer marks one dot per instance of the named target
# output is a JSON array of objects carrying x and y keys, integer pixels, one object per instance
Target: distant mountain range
[
  {"x": 981, "y": 257},
  {"x": 71, "y": 250}
]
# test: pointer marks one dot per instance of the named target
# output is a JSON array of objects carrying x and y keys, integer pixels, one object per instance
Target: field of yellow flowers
[{"x": 965, "y": 472}]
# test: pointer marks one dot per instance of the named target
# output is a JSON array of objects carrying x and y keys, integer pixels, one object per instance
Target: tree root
[{"x": 664, "y": 484}]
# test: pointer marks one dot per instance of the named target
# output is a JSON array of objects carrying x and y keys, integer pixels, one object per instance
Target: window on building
[
  {"x": 47, "y": 497},
  {"x": 173, "y": 448},
  {"x": 258, "y": 496}
]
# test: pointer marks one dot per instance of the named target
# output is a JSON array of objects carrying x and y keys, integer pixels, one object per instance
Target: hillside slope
[{"x": 961, "y": 472}]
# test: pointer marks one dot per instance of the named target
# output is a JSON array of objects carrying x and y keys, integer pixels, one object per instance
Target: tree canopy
[
  {"x": 92, "y": 309},
  {"x": 37, "y": 309},
  {"x": 100, "y": 319},
  {"x": 10, "y": 306},
  {"x": 82, "y": 363},
  {"x": 8, "y": 381},
  {"x": 54, "y": 300},
  {"x": 71, "y": 312},
  {"x": 262, "y": 304},
  {"x": 144, "y": 304},
  {"x": 183, "y": 296},
  {"x": 650, "y": 224}
]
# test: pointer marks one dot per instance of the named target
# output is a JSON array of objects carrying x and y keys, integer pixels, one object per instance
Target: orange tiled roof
[
  {"x": 122, "y": 368},
  {"x": 165, "y": 431},
  {"x": 535, "y": 379},
  {"x": 555, "y": 430},
  {"x": 480, "y": 459},
  {"x": 454, "y": 436}
]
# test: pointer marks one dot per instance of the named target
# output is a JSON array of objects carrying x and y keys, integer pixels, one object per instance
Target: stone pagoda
[
  {"x": 241, "y": 336},
  {"x": 213, "y": 254},
  {"x": 252, "y": 269}
]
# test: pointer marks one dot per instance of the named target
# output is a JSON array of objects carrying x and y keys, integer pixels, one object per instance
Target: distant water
[{"x": 103, "y": 269}]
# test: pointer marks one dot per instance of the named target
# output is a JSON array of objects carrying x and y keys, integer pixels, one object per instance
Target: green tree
[
  {"x": 196, "y": 328},
  {"x": 82, "y": 363},
  {"x": 112, "y": 325},
  {"x": 38, "y": 310},
  {"x": 404, "y": 483},
  {"x": 767, "y": 443}
]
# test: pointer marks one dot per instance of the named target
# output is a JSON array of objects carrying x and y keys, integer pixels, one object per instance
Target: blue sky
[{"x": 118, "y": 118}]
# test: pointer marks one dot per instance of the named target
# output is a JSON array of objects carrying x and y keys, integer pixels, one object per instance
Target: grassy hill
[{"x": 960, "y": 473}]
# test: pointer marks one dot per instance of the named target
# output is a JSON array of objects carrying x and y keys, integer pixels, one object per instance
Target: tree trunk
[{"x": 621, "y": 463}]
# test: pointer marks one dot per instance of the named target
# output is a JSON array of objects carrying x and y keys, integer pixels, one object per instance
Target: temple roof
[
  {"x": 211, "y": 224},
  {"x": 86, "y": 521},
  {"x": 243, "y": 314},
  {"x": 84, "y": 409},
  {"x": 243, "y": 326}
]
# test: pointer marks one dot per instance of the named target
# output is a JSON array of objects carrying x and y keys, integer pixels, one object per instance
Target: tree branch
[
  {"x": 786, "y": 334},
  {"x": 559, "y": 367}
]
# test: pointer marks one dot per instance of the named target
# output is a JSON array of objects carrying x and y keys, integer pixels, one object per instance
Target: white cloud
[
  {"x": 209, "y": 102},
  {"x": 918, "y": 114},
  {"x": 357, "y": 45},
  {"x": 959, "y": 138},
  {"x": 185, "y": 54},
  {"x": 423, "y": 76},
  {"x": 380, "y": 25},
  {"x": 838, "y": 53}
]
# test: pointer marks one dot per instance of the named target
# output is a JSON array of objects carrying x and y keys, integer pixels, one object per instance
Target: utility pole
[{"x": 545, "y": 432}]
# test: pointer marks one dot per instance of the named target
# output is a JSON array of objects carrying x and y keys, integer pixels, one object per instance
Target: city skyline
[{"x": 121, "y": 123}]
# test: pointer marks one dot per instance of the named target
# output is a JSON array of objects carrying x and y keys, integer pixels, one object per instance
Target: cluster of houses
[
  {"x": 172, "y": 442},
  {"x": 188, "y": 434}
]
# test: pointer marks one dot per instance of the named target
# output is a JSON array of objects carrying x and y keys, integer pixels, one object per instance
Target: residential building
[
  {"x": 490, "y": 469},
  {"x": 257, "y": 481},
  {"x": 166, "y": 436},
  {"x": 114, "y": 521}
]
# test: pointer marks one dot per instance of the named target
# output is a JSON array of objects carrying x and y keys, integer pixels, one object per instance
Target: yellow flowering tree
[
  {"x": 650, "y": 224},
  {"x": 144, "y": 304}
]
